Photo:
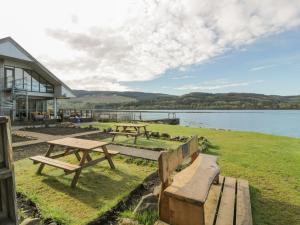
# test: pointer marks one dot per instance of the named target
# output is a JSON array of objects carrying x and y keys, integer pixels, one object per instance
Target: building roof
[{"x": 9, "y": 48}]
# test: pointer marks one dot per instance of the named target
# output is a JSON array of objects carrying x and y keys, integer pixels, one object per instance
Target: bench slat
[
  {"x": 226, "y": 209},
  {"x": 211, "y": 204},
  {"x": 111, "y": 152},
  {"x": 193, "y": 183},
  {"x": 55, "y": 163},
  {"x": 243, "y": 209},
  {"x": 125, "y": 133}
]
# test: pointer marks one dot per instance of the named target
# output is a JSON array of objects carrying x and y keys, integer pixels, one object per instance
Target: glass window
[
  {"x": 27, "y": 80},
  {"x": 43, "y": 84},
  {"x": 9, "y": 77},
  {"x": 35, "y": 85},
  {"x": 49, "y": 88},
  {"x": 19, "y": 81}
]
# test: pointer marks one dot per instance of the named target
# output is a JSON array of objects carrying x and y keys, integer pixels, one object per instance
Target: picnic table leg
[
  {"x": 88, "y": 157},
  {"x": 146, "y": 133},
  {"x": 41, "y": 167},
  {"x": 114, "y": 135},
  {"x": 77, "y": 156},
  {"x": 108, "y": 157},
  {"x": 135, "y": 138},
  {"x": 78, "y": 172}
]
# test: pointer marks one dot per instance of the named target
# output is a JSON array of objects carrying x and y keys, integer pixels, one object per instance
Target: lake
[{"x": 277, "y": 122}]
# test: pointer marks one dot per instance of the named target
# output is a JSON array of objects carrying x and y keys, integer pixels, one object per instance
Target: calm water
[{"x": 277, "y": 122}]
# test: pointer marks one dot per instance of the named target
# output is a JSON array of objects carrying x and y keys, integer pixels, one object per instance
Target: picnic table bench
[
  {"x": 74, "y": 146},
  {"x": 198, "y": 195},
  {"x": 130, "y": 129}
]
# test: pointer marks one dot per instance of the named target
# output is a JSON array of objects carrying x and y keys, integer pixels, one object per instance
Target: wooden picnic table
[
  {"x": 75, "y": 146},
  {"x": 130, "y": 129}
]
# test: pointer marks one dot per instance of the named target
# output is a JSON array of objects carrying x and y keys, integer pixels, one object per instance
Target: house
[{"x": 26, "y": 86}]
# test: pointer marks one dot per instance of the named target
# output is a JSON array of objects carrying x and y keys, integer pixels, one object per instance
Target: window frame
[{"x": 49, "y": 88}]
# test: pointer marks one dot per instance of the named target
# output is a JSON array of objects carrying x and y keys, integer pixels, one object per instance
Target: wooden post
[{"x": 8, "y": 210}]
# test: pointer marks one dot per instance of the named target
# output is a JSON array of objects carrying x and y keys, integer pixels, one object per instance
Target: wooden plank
[
  {"x": 243, "y": 204},
  {"x": 193, "y": 183},
  {"x": 226, "y": 209},
  {"x": 92, "y": 163},
  {"x": 48, "y": 153},
  {"x": 211, "y": 204},
  {"x": 183, "y": 152},
  {"x": 78, "y": 143},
  {"x": 184, "y": 213},
  {"x": 8, "y": 210},
  {"x": 108, "y": 157},
  {"x": 55, "y": 163},
  {"x": 130, "y": 125},
  {"x": 69, "y": 152},
  {"x": 163, "y": 172},
  {"x": 5, "y": 173},
  {"x": 78, "y": 172},
  {"x": 111, "y": 152},
  {"x": 125, "y": 133}
]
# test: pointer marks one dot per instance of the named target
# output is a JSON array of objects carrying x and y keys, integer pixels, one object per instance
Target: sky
[{"x": 174, "y": 47}]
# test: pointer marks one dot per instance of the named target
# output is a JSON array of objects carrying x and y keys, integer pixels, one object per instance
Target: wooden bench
[
  {"x": 197, "y": 195},
  {"x": 55, "y": 163}
]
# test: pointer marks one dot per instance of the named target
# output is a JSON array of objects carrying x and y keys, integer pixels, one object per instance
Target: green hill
[{"x": 195, "y": 100}]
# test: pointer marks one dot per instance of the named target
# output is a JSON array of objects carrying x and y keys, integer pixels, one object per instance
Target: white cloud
[
  {"x": 182, "y": 77},
  {"x": 216, "y": 85},
  {"x": 127, "y": 40},
  {"x": 257, "y": 68}
]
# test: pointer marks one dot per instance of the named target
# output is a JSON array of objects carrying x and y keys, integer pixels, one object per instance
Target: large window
[
  {"x": 43, "y": 84},
  {"x": 26, "y": 80},
  {"x": 35, "y": 84},
  {"x": 19, "y": 78},
  {"x": 8, "y": 77}
]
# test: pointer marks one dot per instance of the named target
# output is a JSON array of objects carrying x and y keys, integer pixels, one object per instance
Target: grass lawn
[
  {"x": 98, "y": 190},
  {"x": 270, "y": 163},
  {"x": 145, "y": 143}
]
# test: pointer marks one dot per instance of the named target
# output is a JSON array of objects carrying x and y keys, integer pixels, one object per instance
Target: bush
[
  {"x": 166, "y": 135},
  {"x": 155, "y": 134}
]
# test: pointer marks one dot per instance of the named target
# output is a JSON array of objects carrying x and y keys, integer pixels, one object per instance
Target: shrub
[{"x": 166, "y": 135}]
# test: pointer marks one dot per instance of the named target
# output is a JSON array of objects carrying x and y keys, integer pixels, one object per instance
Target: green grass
[
  {"x": 271, "y": 164},
  {"x": 98, "y": 190},
  {"x": 145, "y": 218},
  {"x": 143, "y": 142}
]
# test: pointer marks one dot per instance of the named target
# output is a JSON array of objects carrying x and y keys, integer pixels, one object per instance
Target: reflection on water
[{"x": 278, "y": 122}]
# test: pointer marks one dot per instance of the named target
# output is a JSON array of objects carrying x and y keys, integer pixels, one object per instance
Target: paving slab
[{"x": 135, "y": 152}]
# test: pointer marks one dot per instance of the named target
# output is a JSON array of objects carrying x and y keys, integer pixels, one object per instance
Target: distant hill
[
  {"x": 194, "y": 100},
  {"x": 139, "y": 96},
  {"x": 100, "y": 99}
]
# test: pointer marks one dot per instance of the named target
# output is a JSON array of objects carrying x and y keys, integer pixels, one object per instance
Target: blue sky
[{"x": 270, "y": 65}]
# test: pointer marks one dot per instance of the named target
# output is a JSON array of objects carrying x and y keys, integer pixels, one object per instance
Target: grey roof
[{"x": 30, "y": 59}]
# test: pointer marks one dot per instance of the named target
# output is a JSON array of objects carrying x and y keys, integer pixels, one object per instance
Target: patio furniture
[
  {"x": 198, "y": 195},
  {"x": 130, "y": 129},
  {"x": 74, "y": 146}
]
